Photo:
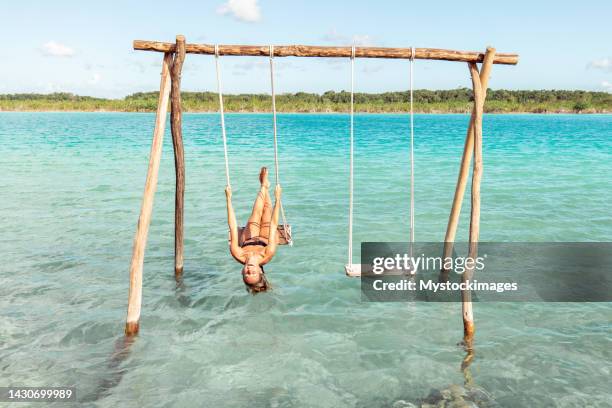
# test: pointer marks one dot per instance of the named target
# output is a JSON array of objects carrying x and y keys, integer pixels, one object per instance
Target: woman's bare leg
[
  {"x": 266, "y": 217},
  {"x": 254, "y": 223}
]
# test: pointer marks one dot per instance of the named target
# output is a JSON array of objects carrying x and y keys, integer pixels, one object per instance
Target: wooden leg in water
[
  {"x": 464, "y": 169},
  {"x": 468, "y": 317},
  {"x": 468, "y": 380},
  {"x": 179, "y": 157},
  {"x": 142, "y": 230},
  {"x": 466, "y": 295}
]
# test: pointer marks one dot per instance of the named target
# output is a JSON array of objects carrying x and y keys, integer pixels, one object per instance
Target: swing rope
[
  {"x": 349, "y": 266},
  {"x": 286, "y": 235},
  {"x": 222, "y": 114},
  {"x": 411, "y": 149},
  {"x": 274, "y": 113},
  {"x": 352, "y": 114}
]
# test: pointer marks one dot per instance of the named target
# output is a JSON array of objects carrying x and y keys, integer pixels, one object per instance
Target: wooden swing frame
[{"x": 174, "y": 56}]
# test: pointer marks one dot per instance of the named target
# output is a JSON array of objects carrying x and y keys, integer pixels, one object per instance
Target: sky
[{"x": 86, "y": 47}]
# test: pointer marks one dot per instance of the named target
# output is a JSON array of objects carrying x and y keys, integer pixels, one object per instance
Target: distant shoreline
[
  {"x": 560, "y": 112},
  {"x": 458, "y": 101}
]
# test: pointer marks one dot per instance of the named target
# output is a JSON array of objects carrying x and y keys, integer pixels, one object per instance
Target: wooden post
[
  {"x": 179, "y": 156},
  {"x": 140, "y": 239},
  {"x": 466, "y": 295},
  {"x": 464, "y": 169}
]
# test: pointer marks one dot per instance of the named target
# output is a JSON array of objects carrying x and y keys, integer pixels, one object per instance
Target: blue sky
[{"x": 86, "y": 47}]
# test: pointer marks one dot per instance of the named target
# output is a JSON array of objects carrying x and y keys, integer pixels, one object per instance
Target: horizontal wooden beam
[{"x": 319, "y": 51}]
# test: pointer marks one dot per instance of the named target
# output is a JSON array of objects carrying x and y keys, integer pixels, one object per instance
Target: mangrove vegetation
[{"x": 426, "y": 101}]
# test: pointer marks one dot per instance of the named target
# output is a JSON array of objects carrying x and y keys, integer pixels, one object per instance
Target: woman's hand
[
  {"x": 228, "y": 192},
  {"x": 277, "y": 192}
]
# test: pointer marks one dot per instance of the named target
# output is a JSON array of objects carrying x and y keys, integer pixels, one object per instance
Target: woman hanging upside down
[{"x": 259, "y": 237}]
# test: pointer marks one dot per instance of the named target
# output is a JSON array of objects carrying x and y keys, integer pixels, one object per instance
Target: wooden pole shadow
[{"x": 114, "y": 370}]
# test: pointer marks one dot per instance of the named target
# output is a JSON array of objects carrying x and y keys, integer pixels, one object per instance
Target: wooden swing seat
[
  {"x": 283, "y": 235},
  {"x": 355, "y": 270}
]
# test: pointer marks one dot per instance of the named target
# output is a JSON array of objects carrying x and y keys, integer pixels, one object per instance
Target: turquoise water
[{"x": 71, "y": 188}]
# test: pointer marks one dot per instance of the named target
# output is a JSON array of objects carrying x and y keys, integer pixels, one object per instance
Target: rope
[
  {"x": 276, "y": 166},
  {"x": 274, "y": 112},
  {"x": 351, "y": 162},
  {"x": 352, "y": 114},
  {"x": 221, "y": 112},
  {"x": 411, "y": 149}
]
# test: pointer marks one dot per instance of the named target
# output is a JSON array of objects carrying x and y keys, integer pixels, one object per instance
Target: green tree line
[{"x": 427, "y": 101}]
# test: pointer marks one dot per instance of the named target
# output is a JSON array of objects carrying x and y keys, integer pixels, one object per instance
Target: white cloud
[
  {"x": 55, "y": 49},
  {"x": 251, "y": 64},
  {"x": 242, "y": 10},
  {"x": 604, "y": 64},
  {"x": 333, "y": 36},
  {"x": 141, "y": 66},
  {"x": 262, "y": 64},
  {"x": 90, "y": 67},
  {"x": 607, "y": 86},
  {"x": 360, "y": 40},
  {"x": 370, "y": 69},
  {"x": 52, "y": 87},
  {"x": 363, "y": 40},
  {"x": 95, "y": 78}
]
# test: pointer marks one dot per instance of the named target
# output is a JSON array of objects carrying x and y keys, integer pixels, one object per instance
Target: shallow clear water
[{"x": 71, "y": 187}]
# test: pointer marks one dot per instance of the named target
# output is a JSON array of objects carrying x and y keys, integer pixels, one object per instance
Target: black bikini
[{"x": 253, "y": 242}]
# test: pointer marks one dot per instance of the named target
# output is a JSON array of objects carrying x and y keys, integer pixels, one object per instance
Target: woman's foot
[{"x": 263, "y": 177}]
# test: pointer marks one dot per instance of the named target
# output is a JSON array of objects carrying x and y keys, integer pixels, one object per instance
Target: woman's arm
[
  {"x": 273, "y": 238},
  {"x": 235, "y": 249}
]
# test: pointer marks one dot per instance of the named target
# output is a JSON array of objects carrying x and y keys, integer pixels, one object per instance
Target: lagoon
[{"x": 71, "y": 190}]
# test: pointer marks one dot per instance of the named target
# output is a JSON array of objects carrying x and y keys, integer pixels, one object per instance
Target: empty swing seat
[
  {"x": 353, "y": 270},
  {"x": 283, "y": 235}
]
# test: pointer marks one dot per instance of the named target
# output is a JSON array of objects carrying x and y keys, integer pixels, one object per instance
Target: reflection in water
[
  {"x": 114, "y": 372},
  {"x": 180, "y": 292},
  {"x": 454, "y": 395},
  {"x": 465, "y": 367}
]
